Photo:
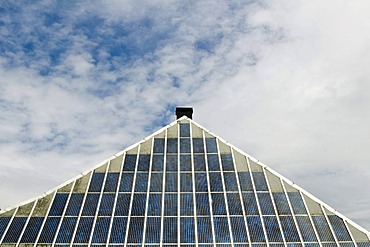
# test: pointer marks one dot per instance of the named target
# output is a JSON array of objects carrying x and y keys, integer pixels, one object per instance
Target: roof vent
[{"x": 184, "y": 111}]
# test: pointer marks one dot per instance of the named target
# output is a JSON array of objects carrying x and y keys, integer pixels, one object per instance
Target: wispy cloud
[{"x": 81, "y": 81}]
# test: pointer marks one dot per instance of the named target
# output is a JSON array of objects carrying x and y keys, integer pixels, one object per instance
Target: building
[{"x": 183, "y": 186}]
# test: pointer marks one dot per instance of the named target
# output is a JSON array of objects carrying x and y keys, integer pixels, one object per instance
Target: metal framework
[{"x": 182, "y": 185}]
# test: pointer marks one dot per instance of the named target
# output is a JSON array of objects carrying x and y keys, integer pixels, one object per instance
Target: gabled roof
[{"x": 182, "y": 184}]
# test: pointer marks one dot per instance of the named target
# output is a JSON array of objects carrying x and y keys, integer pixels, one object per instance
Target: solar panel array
[{"x": 180, "y": 186}]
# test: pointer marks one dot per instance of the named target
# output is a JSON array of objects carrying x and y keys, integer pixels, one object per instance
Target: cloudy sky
[{"x": 288, "y": 82}]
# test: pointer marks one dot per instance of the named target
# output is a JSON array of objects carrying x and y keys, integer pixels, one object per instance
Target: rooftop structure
[{"x": 185, "y": 186}]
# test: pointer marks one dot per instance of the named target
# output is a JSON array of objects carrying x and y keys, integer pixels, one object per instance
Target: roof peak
[{"x": 184, "y": 111}]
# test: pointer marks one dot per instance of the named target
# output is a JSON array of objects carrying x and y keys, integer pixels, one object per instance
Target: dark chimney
[{"x": 184, "y": 111}]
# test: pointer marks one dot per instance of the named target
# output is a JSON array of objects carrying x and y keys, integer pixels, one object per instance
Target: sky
[{"x": 286, "y": 81}]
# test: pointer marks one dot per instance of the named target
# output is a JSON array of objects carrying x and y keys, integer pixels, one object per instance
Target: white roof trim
[{"x": 222, "y": 140}]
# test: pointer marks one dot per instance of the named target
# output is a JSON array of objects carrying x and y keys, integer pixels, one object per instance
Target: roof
[{"x": 180, "y": 185}]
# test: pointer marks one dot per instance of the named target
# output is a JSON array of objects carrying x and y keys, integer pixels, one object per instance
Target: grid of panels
[{"x": 187, "y": 190}]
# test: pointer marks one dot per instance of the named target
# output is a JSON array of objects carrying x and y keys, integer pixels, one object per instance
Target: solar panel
[
  {"x": 49, "y": 230},
  {"x": 111, "y": 182},
  {"x": 66, "y": 230},
  {"x": 101, "y": 230},
  {"x": 15, "y": 230},
  {"x": 4, "y": 221},
  {"x": 32, "y": 229},
  {"x": 187, "y": 228},
  {"x": 187, "y": 189},
  {"x": 58, "y": 204}
]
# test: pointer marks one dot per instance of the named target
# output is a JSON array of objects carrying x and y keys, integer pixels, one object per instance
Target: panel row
[
  {"x": 219, "y": 203},
  {"x": 243, "y": 229},
  {"x": 171, "y": 181},
  {"x": 175, "y": 162}
]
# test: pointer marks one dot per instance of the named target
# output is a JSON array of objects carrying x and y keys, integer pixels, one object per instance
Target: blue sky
[{"x": 286, "y": 82}]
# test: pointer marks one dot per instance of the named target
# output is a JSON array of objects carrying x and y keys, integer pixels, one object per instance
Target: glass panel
[
  {"x": 230, "y": 181},
  {"x": 186, "y": 204},
  {"x": 297, "y": 203},
  {"x": 153, "y": 233},
  {"x": 213, "y": 162},
  {"x": 171, "y": 163},
  {"x": 245, "y": 181},
  {"x": 130, "y": 162},
  {"x": 187, "y": 230},
  {"x": 58, "y": 204},
  {"x": 118, "y": 231},
  {"x": 96, "y": 182},
  {"x": 255, "y": 229},
  {"x": 202, "y": 201},
  {"x": 144, "y": 162},
  {"x": 281, "y": 203},
  {"x": 66, "y": 230},
  {"x": 4, "y": 221},
  {"x": 227, "y": 162},
  {"x": 138, "y": 205},
  {"x": 329, "y": 244},
  {"x": 339, "y": 228},
  {"x": 111, "y": 182},
  {"x": 233, "y": 201},
  {"x": 311, "y": 244},
  {"x": 156, "y": 182},
  {"x": 211, "y": 145},
  {"x": 171, "y": 145},
  {"x": 215, "y": 181},
  {"x": 155, "y": 204},
  {"x": 184, "y": 129},
  {"x": 171, "y": 182},
  {"x": 367, "y": 244},
  {"x": 238, "y": 229},
  {"x": 266, "y": 204},
  {"x": 101, "y": 230},
  {"x": 185, "y": 162},
  {"x": 199, "y": 162},
  {"x": 32, "y": 229},
  {"x": 84, "y": 230},
  {"x": 221, "y": 225},
  {"x": 106, "y": 204},
  {"x": 141, "y": 184},
  {"x": 158, "y": 160},
  {"x": 170, "y": 230},
  {"x": 272, "y": 229},
  {"x": 15, "y": 229},
  {"x": 289, "y": 229},
  {"x": 184, "y": 145},
  {"x": 322, "y": 228},
  {"x": 50, "y": 228},
  {"x": 250, "y": 204},
  {"x": 170, "y": 204},
  {"x": 74, "y": 204},
  {"x": 198, "y": 146},
  {"x": 346, "y": 244},
  {"x": 122, "y": 205},
  {"x": 218, "y": 204},
  {"x": 201, "y": 182},
  {"x": 307, "y": 231},
  {"x": 158, "y": 145},
  {"x": 186, "y": 183},
  {"x": 126, "y": 182},
  {"x": 260, "y": 181},
  {"x": 135, "y": 232},
  {"x": 91, "y": 203},
  {"x": 204, "y": 230}
]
